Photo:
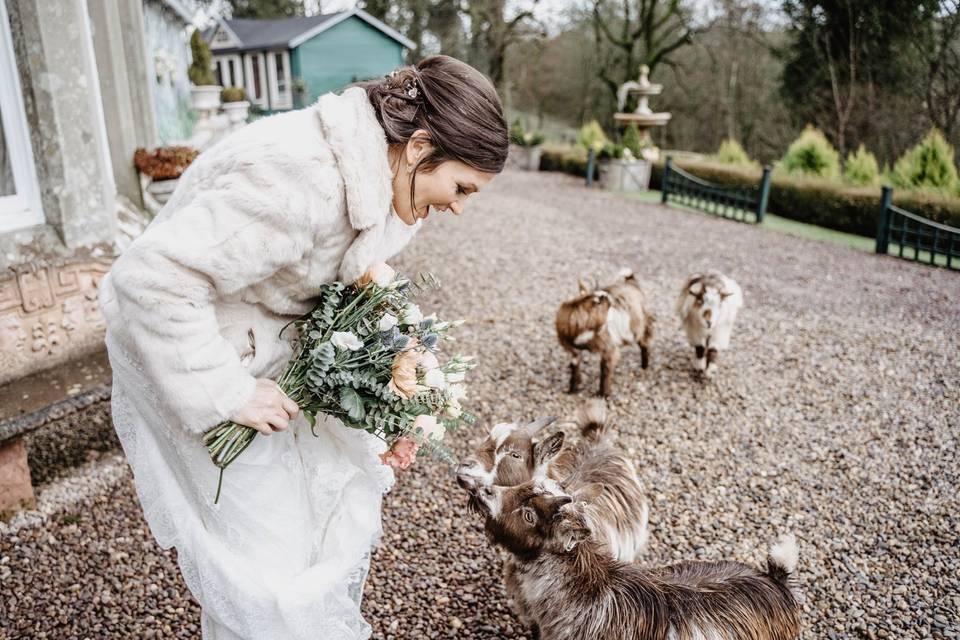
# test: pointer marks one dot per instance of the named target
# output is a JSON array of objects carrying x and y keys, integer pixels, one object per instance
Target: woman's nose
[{"x": 456, "y": 208}]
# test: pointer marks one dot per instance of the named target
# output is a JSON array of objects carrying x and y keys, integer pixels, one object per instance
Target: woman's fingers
[
  {"x": 290, "y": 407},
  {"x": 278, "y": 421}
]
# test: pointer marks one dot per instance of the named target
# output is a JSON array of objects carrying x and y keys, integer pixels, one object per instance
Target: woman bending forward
[{"x": 194, "y": 308}]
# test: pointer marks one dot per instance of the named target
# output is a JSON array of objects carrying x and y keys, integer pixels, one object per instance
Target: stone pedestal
[
  {"x": 625, "y": 175},
  {"x": 16, "y": 491},
  {"x": 527, "y": 158}
]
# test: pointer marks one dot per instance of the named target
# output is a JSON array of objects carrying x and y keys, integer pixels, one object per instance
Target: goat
[
  {"x": 575, "y": 591},
  {"x": 510, "y": 456},
  {"x": 602, "y": 320},
  {"x": 707, "y": 306}
]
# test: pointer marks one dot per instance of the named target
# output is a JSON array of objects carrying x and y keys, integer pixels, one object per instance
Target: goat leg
[
  {"x": 699, "y": 362},
  {"x": 644, "y": 356},
  {"x": 608, "y": 361},
  {"x": 712, "y": 356},
  {"x": 575, "y": 373}
]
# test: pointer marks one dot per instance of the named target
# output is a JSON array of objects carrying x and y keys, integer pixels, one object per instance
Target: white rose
[
  {"x": 346, "y": 340},
  {"x": 457, "y": 391},
  {"x": 412, "y": 314},
  {"x": 455, "y": 376},
  {"x": 387, "y": 322},
  {"x": 430, "y": 428},
  {"x": 428, "y": 361},
  {"x": 453, "y": 409},
  {"x": 435, "y": 379}
]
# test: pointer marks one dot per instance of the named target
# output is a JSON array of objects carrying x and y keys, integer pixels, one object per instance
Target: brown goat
[
  {"x": 602, "y": 320},
  {"x": 575, "y": 591}
]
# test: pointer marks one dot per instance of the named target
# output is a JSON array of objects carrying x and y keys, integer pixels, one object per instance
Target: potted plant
[
  {"x": 205, "y": 93},
  {"x": 301, "y": 92},
  {"x": 626, "y": 167},
  {"x": 525, "y": 146},
  {"x": 159, "y": 171},
  {"x": 236, "y": 105}
]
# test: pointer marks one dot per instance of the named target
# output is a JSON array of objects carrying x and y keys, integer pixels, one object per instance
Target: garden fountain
[{"x": 629, "y": 173}]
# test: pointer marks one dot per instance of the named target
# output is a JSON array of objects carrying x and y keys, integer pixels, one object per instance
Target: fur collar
[{"x": 359, "y": 145}]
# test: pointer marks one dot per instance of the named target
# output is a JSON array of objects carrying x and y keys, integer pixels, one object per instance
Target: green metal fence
[
  {"x": 745, "y": 204},
  {"x": 911, "y": 237}
]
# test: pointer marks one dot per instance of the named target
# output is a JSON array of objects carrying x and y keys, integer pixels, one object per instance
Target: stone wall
[{"x": 49, "y": 313}]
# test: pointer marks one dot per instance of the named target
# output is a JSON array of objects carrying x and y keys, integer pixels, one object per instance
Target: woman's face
[{"x": 445, "y": 189}]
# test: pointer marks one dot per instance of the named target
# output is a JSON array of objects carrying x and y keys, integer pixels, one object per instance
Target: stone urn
[
  {"x": 206, "y": 97},
  {"x": 625, "y": 175},
  {"x": 156, "y": 192},
  {"x": 527, "y": 157},
  {"x": 236, "y": 113}
]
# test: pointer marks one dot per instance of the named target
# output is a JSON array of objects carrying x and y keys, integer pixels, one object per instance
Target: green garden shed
[{"x": 288, "y": 63}]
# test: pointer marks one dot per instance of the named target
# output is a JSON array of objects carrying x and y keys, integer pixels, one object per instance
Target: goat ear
[
  {"x": 584, "y": 287},
  {"x": 548, "y": 449},
  {"x": 534, "y": 427},
  {"x": 588, "y": 493}
]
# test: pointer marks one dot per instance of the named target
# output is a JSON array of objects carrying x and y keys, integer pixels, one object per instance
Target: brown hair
[{"x": 453, "y": 102}]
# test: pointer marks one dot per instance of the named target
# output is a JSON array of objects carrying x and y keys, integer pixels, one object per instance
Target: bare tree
[
  {"x": 941, "y": 51},
  {"x": 640, "y": 31}
]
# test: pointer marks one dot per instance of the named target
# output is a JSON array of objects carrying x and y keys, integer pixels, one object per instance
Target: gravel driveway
[{"x": 835, "y": 415}]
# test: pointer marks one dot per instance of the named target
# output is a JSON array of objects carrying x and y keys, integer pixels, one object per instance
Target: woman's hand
[{"x": 269, "y": 410}]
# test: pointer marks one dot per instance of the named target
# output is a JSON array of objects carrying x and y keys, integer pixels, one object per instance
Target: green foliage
[
  {"x": 266, "y": 8},
  {"x": 233, "y": 94},
  {"x": 822, "y": 202},
  {"x": 611, "y": 151},
  {"x": 812, "y": 155},
  {"x": 861, "y": 168},
  {"x": 572, "y": 160},
  {"x": 730, "y": 152},
  {"x": 929, "y": 164},
  {"x": 591, "y": 136},
  {"x": 631, "y": 140},
  {"x": 201, "y": 69},
  {"x": 522, "y": 137}
]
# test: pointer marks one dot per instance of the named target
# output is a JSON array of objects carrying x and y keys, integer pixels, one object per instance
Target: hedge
[
  {"x": 567, "y": 160},
  {"x": 821, "y": 202}
]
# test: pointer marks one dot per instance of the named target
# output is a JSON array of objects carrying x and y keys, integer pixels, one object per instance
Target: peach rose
[
  {"x": 404, "y": 371},
  {"x": 380, "y": 274},
  {"x": 401, "y": 455}
]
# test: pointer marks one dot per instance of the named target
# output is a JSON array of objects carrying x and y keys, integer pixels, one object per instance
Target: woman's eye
[{"x": 461, "y": 191}]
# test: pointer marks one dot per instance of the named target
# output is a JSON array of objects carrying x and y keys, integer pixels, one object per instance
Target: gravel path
[{"x": 835, "y": 416}]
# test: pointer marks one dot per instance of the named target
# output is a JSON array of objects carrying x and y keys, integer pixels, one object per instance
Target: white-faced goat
[
  {"x": 575, "y": 591},
  {"x": 510, "y": 456},
  {"x": 707, "y": 307},
  {"x": 601, "y": 320}
]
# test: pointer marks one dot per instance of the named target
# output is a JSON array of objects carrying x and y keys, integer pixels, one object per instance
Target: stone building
[{"x": 83, "y": 83}]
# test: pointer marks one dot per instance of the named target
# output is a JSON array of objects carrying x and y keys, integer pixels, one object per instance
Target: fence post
[
  {"x": 591, "y": 155},
  {"x": 764, "y": 195},
  {"x": 665, "y": 181},
  {"x": 883, "y": 223}
]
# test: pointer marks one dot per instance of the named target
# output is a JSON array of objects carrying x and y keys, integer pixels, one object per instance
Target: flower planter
[
  {"x": 625, "y": 175},
  {"x": 236, "y": 113},
  {"x": 527, "y": 158},
  {"x": 206, "y": 97},
  {"x": 156, "y": 192}
]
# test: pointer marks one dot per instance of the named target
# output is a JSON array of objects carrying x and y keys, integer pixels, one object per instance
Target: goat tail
[
  {"x": 782, "y": 559},
  {"x": 593, "y": 420}
]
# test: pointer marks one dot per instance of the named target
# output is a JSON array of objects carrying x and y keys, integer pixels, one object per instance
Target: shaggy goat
[
  {"x": 575, "y": 591},
  {"x": 602, "y": 320},
  {"x": 707, "y": 307},
  {"x": 509, "y": 456}
]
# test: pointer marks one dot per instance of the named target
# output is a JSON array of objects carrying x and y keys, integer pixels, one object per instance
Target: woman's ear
[{"x": 419, "y": 147}]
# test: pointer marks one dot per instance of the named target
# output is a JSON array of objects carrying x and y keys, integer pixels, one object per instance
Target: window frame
[{"x": 23, "y": 208}]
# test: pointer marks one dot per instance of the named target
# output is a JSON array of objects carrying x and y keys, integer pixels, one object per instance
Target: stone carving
[{"x": 49, "y": 313}]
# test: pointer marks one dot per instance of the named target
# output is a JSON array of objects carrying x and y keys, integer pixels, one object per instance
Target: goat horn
[{"x": 539, "y": 423}]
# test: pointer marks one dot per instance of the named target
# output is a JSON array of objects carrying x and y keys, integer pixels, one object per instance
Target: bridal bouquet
[{"x": 367, "y": 356}]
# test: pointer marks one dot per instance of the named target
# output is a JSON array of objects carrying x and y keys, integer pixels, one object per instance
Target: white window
[
  {"x": 19, "y": 195},
  {"x": 256, "y": 74},
  {"x": 278, "y": 76},
  {"x": 229, "y": 71}
]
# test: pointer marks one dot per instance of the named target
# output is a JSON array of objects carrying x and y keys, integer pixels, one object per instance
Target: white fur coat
[
  {"x": 193, "y": 309},
  {"x": 256, "y": 225}
]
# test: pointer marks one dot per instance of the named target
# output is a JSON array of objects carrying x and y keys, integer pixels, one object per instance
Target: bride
[{"x": 194, "y": 310}]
